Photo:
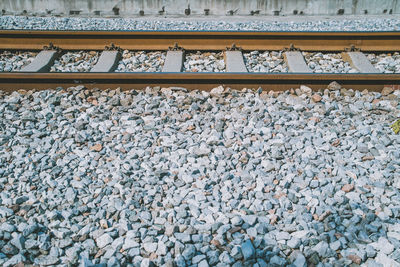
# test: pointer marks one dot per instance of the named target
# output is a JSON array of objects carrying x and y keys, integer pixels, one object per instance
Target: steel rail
[
  {"x": 203, "y": 81},
  {"x": 153, "y": 40},
  {"x": 161, "y": 40}
]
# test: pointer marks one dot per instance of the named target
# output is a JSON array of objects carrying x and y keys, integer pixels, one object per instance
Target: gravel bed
[
  {"x": 14, "y": 61},
  {"x": 75, "y": 62},
  {"x": 214, "y": 24},
  {"x": 328, "y": 63},
  {"x": 386, "y": 63},
  {"x": 163, "y": 176},
  {"x": 204, "y": 62},
  {"x": 141, "y": 61},
  {"x": 272, "y": 61}
]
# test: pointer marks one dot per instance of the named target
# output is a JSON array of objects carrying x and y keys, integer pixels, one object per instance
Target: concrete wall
[{"x": 217, "y": 7}]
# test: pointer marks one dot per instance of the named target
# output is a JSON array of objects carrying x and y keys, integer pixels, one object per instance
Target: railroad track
[{"x": 204, "y": 41}]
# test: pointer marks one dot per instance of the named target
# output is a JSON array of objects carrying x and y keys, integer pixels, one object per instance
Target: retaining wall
[{"x": 215, "y": 7}]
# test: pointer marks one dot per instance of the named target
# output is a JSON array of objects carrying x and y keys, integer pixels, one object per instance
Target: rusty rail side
[
  {"x": 202, "y": 81},
  {"x": 156, "y": 40}
]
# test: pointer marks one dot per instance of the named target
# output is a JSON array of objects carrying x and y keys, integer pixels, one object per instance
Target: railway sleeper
[
  {"x": 42, "y": 62},
  {"x": 295, "y": 62},
  {"x": 359, "y": 61},
  {"x": 108, "y": 61},
  {"x": 234, "y": 61},
  {"x": 174, "y": 61}
]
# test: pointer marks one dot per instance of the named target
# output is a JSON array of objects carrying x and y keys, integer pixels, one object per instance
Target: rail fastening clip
[
  {"x": 352, "y": 48},
  {"x": 176, "y": 47},
  {"x": 113, "y": 47},
  {"x": 52, "y": 47},
  {"x": 234, "y": 48},
  {"x": 291, "y": 48}
]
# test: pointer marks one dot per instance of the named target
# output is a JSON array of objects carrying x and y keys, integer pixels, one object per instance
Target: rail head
[{"x": 203, "y": 81}]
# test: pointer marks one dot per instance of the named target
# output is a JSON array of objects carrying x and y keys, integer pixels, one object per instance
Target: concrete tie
[
  {"x": 42, "y": 62},
  {"x": 174, "y": 61},
  {"x": 108, "y": 61},
  {"x": 296, "y": 62},
  {"x": 234, "y": 61},
  {"x": 360, "y": 62}
]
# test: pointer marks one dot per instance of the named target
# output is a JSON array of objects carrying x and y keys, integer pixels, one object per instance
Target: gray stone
[
  {"x": 70, "y": 195},
  {"x": 293, "y": 242},
  {"x": 248, "y": 250},
  {"x": 30, "y": 243},
  {"x": 197, "y": 259},
  {"x": 335, "y": 245},
  {"x": 322, "y": 248},
  {"x": 46, "y": 260},
  {"x": 277, "y": 261},
  {"x": 371, "y": 252},
  {"x": 226, "y": 258},
  {"x": 14, "y": 260},
  {"x": 385, "y": 246},
  {"x": 183, "y": 237},
  {"x": 203, "y": 263},
  {"x": 236, "y": 221},
  {"x": 9, "y": 249},
  {"x": 236, "y": 253},
  {"x": 8, "y": 227},
  {"x": 161, "y": 248},
  {"x": 298, "y": 259},
  {"x": 104, "y": 240},
  {"x": 113, "y": 262},
  {"x": 363, "y": 148},
  {"x": 171, "y": 229},
  {"x": 189, "y": 252},
  {"x": 18, "y": 241},
  {"x": 130, "y": 243},
  {"x": 282, "y": 236},
  {"x": 150, "y": 247},
  {"x": 146, "y": 263}
]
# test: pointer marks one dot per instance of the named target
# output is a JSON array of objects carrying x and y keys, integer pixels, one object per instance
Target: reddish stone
[
  {"x": 316, "y": 98},
  {"x": 355, "y": 259},
  {"x": 97, "y": 147},
  {"x": 347, "y": 188},
  {"x": 215, "y": 243}
]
